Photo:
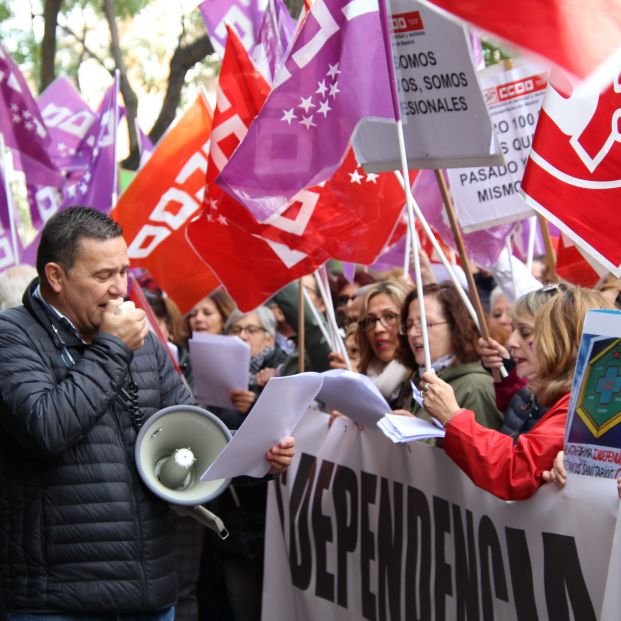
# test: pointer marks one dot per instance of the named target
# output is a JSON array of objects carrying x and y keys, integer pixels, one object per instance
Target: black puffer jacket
[{"x": 78, "y": 530}]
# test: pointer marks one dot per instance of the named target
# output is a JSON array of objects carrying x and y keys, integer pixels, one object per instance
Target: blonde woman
[{"x": 492, "y": 460}]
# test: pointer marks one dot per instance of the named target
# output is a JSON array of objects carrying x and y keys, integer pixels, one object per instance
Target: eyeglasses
[
  {"x": 251, "y": 330},
  {"x": 388, "y": 320},
  {"x": 416, "y": 325}
]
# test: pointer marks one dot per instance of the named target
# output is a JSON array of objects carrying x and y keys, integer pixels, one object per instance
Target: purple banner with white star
[
  {"x": 27, "y": 141},
  {"x": 337, "y": 73},
  {"x": 244, "y": 15},
  {"x": 67, "y": 117},
  {"x": 96, "y": 185}
]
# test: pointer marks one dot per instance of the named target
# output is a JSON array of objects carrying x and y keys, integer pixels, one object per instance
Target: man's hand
[
  {"x": 131, "y": 327},
  {"x": 242, "y": 399},
  {"x": 280, "y": 455}
]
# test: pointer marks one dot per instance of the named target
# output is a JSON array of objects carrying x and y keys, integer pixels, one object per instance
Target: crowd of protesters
[{"x": 503, "y": 432}]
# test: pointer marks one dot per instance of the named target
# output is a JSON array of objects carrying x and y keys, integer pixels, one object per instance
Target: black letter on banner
[
  {"x": 521, "y": 575},
  {"x": 418, "y": 538},
  {"x": 443, "y": 586},
  {"x": 281, "y": 481},
  {"x": 563, "y": 577},
  {"x": 466, "y": 576},
  {"x": 368, "y": 485},
  {"x": 322, "y": 530},
  {"x": 345, "y": 492},
  {"x": 489, "y": 545},
  {"x": 301, "y": 564},
  {"x": 390, "y": 550}
]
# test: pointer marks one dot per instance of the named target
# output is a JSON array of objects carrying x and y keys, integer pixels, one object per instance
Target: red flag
[
  {"x": 573, "y": 267},
  {"x": 573, "y": 176},
  {"x": 155, "y": 209},
  {"x": 350, "y": 218},
  {"x": 577, "y": 36}
]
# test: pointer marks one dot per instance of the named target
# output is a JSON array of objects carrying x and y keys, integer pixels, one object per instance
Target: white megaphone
[{"x": 174, "y": 447}]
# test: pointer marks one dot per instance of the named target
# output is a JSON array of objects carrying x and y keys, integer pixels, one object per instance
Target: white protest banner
[
  {"x": 593, "y": 439},
  {"x": 490, "y": 195},
  {"x": 361, "y": 528},
  {"x": 446, "y": 123}
]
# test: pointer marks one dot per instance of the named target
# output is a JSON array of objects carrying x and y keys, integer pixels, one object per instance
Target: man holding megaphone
[{"x": 79, "y": 376}]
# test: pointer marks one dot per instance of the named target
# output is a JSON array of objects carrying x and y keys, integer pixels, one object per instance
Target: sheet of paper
[
  {"x": 219, "y": 364},
  {"x": 276, "y": 413},
  {"x": 408, "y": 428},
  {"x": 354, "y": 395}
]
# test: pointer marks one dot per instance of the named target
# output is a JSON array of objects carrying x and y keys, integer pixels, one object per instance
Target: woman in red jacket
[{"x": 513, "y": 471}]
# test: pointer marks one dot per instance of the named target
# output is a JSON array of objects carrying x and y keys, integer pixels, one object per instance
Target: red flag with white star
[{"x": 349, "y": 218}]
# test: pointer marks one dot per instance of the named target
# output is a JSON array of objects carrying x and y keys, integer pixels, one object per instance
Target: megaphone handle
[{"x": 205, "y": 517}]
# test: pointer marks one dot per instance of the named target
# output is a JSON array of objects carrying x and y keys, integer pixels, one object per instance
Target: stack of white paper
[{"x": 408, "y": 428}]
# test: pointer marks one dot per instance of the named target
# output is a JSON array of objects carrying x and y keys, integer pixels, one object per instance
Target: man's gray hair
[{"x": 264, "y": 315}]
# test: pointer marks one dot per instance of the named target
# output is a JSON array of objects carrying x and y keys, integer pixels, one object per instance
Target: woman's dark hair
[{"x": 464, "y": 333}]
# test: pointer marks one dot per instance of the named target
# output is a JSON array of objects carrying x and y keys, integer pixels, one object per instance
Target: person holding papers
[
  {"x": 242, "y": 507},
  {"x": 452, "y": 347},
  {"x": 514, "y": 470}
]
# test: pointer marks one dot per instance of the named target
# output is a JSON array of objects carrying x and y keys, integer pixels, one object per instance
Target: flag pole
[
  {"x": 413, "y": 237},
  {"x": 115, "y": 179},
  {"x": 300, "y": 326},
  {"x": 9, "y": 201},
  {"x": 443, "y": 258},
  {"x": 550, "y": 255},
  {"x": 326, "y": 295},
  {"x": 532, "y": 234},
  {"x": 461, "y": 248}
]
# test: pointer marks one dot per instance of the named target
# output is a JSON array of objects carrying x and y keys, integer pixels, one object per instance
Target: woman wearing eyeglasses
[
  {"x": 452, "y": 346},
  {"x": 378, "y": 338},
  {"x": 258, "y": 329}
]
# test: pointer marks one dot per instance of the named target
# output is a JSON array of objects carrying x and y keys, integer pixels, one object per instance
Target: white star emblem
[
  {"x": 209, "y": 217},
  {"x": 372, "y": 178},
  {"x": 287, "y": 115},
  {"x": 83, "y": 188},
  {"x": 87, "y": 176},
  {"x": 14, "y": 107},
  {"x": 324, "y": 108},
  {"x": 29, "y": 126},
  {"x": 222, "y": 220},
  {"x": 356, "y": 177},
  {"x": 334, "y": 90},
  {"x": 16, "y": 118},
  {"x": 62, "y": 147},
  {"x": 333, "y": 70},
  {"x": 213, "y": 204},
  {"x": 321, "y": 88},
  {"x": 306, "y": 103},
  {"x": 307, "y": 121},
  {"x": 72, "y": 151},
  {"x": 71, "y": 191},
  {"x": 26, "y": 114}
]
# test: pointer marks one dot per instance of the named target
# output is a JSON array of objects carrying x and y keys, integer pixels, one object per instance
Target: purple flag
[
  {"x": 67, "y": 117},
  {"x": 244, "y": 15},
  {"x": 483, "y": 246},
  {"x": 145, "y": 145},
  {"x": 27, "y": 141},
  {"x": 338, "y": 72},
  {"x": 96, "y": 185},
  {"x": 273, "y": 39}
]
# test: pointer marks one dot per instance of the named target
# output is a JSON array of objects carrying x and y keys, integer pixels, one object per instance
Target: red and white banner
[
  {"x": 361, "y": 528},
  {"x": 573, "y": 176}
]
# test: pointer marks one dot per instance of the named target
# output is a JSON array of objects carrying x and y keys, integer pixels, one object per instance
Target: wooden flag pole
[
  {"x": 461, "y": 248},
  {"x": 550, "y": 255},
  {"x": 300, "y": 326}
]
